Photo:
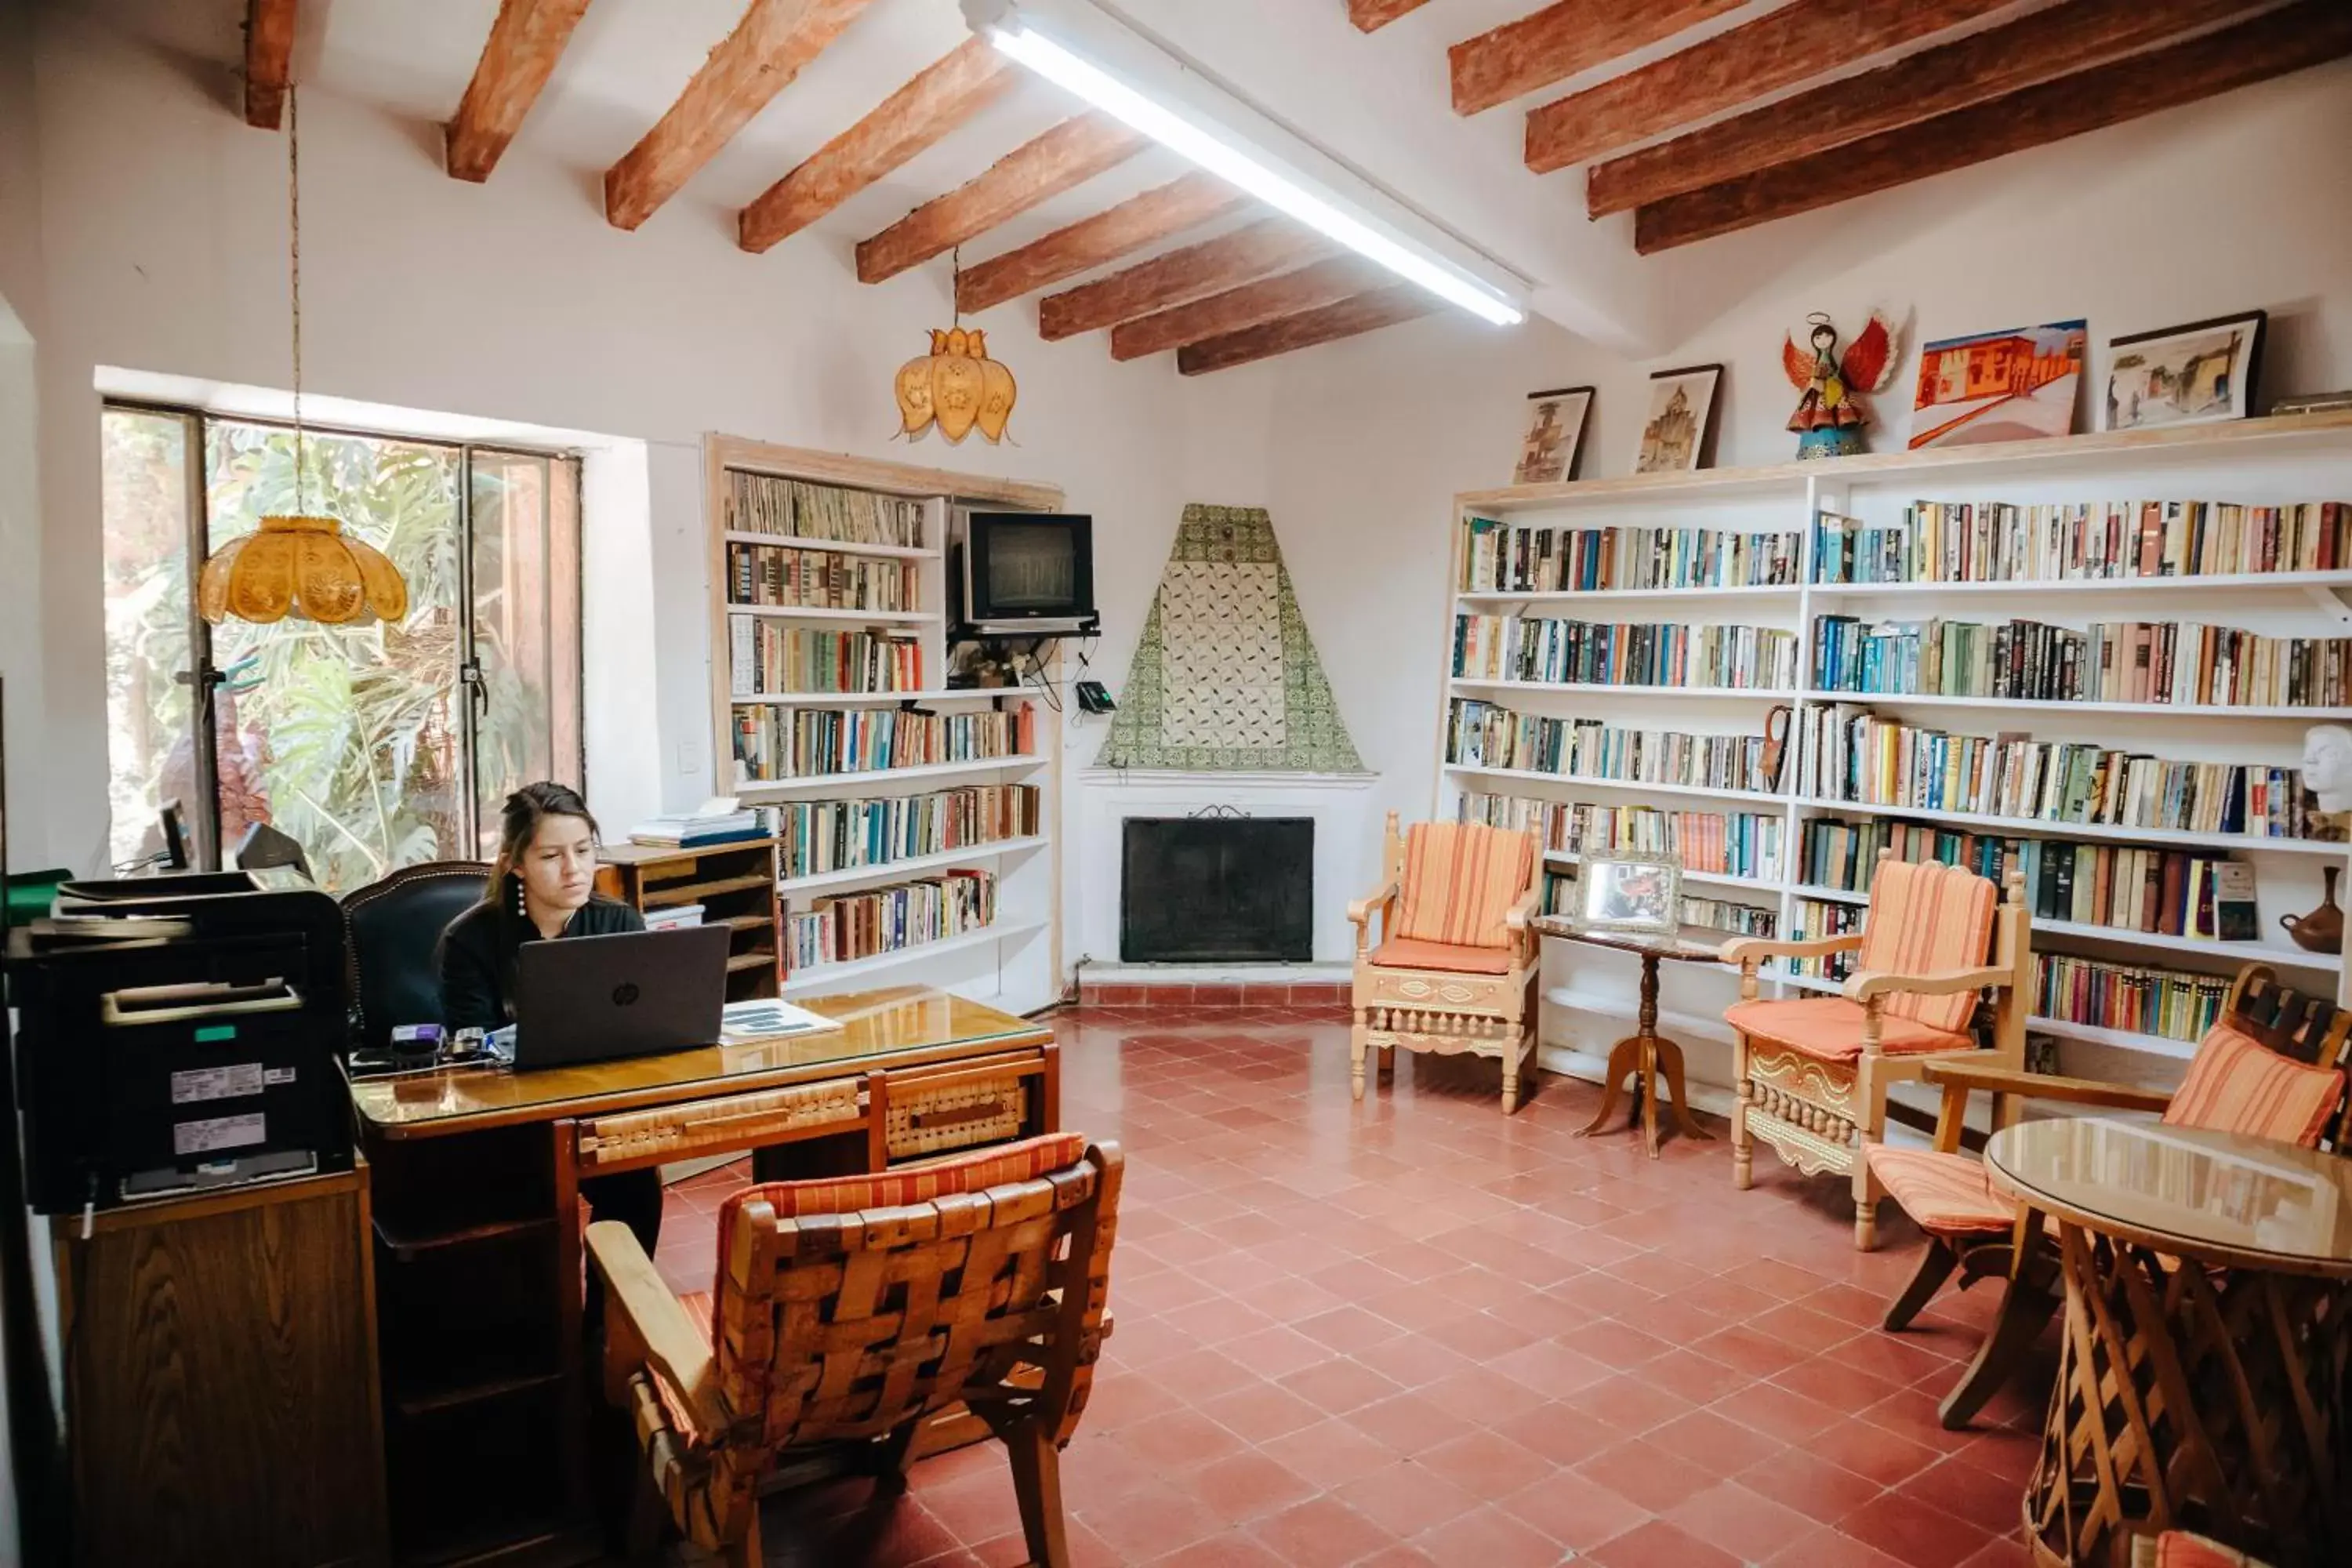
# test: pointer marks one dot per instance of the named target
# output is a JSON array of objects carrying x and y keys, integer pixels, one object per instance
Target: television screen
[{"x": 1021, "y": 567}]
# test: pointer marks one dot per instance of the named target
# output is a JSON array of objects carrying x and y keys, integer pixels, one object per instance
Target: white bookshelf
[
  {"x": 2259, "y": 462},
  {"x": 1014, "y": 962}
]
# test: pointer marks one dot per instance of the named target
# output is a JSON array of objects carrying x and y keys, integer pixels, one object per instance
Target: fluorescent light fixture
[{"x": 1078, "y": 47}]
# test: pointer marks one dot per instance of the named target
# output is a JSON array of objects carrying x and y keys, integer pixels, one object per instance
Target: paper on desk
[{"x": 766, "y": 1018}]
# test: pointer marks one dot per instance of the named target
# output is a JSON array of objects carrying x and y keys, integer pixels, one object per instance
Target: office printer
[{"x": 179, "y": 1032}]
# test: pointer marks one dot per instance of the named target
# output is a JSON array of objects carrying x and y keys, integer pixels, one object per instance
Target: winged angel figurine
[{"x": 1829, "y": 418}]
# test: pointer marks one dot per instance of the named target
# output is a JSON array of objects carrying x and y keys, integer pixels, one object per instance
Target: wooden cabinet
[
  {"x": 221, "y": 1396},
  {"x": 734, "y": 883}
]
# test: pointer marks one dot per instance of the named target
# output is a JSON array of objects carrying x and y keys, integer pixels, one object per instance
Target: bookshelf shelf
[
  {"x": 1745, "y": 693},
  {"x": 871, "y": 699},
  {"x": 2031, "y": 705},
  {"x": 1637, "y": 786},
  {"x": 2255, "y": 463},
  {"x": 831, "y": 546},
  {"x": 856, "y": 617},
  {"x": 900, "y": 515},
  {"x": 890, "y": 870},
  {"x": 1712, "y": 878},
  {"x": 2125, "y": 1040},
  {"x": 829, "y": 976}
]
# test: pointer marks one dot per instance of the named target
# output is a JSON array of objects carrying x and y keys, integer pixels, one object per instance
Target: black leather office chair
[{"x": 392, "y": 929}]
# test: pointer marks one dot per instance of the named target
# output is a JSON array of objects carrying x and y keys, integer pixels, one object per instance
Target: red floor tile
[{"x": 1411, "y": 1332}]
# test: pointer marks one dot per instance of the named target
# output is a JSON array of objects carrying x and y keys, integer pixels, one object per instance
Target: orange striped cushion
[
  {"x": 2180, "y": 1549},
  {"x": 1830, "y": 1029},
  {"x": 1924, "y": 917},
  {"x": 1403, "y": 953},
  {"x": 2237, "y": 1084},
  {"x": 1945, "y": 1194},
  {"x": 1460, "y": 881}
]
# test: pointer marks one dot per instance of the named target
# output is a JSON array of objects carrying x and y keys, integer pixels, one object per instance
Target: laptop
[{"x": 634, "y": 994}]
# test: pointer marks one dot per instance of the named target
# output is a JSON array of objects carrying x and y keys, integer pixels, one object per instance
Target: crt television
[{"x": 1025, "y": 574}]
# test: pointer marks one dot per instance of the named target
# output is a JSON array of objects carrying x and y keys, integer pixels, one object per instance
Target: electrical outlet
[{"x": 686, "y": 764}]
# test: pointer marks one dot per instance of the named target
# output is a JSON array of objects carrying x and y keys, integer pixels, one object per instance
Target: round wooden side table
[
  {"x": 1644, "y": 1054},
  {"x": 2201, "y": 1376}
]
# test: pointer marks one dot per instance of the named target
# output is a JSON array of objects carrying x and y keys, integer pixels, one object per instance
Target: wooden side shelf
[{"x": 734, "y": 883}]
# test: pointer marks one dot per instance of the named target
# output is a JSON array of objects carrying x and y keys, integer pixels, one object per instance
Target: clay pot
[{"x": 2321, "y": 931}]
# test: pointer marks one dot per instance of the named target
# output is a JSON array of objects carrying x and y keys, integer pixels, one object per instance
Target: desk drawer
[
  {"x": 715, "y": 1126},
  {"x": 956, "y": 1111}
]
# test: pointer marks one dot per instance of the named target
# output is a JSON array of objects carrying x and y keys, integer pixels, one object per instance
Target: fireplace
[{"x": 1217, "y": 890}]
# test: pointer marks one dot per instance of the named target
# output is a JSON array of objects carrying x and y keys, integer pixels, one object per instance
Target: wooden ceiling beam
[
  {"x": 1329, "y": 323},
  {"x": 1371, "y": 16},
  {"x": 1071, "y": 153},
  {"x": 268, "y": 60},
  {"x": 2040, "y": 47},
  {"x": 1779, "y": 49},
  {"x": 944, "y": 96},
  {"x": 2289, "y": 39},
  {"x": 771, "y": 45},
  {"x": 525, "y": 42},
  {"x": 1269, "y": 245},
  {"x": 1562, "y": 39},
  {"x": 1165, "y": 210},
  {"x": 1252, "y": 304}
]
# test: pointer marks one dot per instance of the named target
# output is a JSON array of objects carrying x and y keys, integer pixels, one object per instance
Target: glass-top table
[
  {"x": 1645, "y": 1055},
  {"x": 901, "y": 1027}
]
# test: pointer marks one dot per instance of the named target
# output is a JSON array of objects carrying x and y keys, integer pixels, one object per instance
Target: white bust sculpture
[{"x": 2327, "y": 765}]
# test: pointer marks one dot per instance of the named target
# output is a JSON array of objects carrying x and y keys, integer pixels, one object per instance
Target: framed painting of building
[
  {"x": 2183, "y": 375},
  {"x": 1555, "y": 430},
  {"x": 1680, "y": 420},
  {"x": 2011, "y": 386}
]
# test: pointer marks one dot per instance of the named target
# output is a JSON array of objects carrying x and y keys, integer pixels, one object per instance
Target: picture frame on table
[
  {"x": 1679, "y": 426},
  {"x": 1554, "y": 437},
  {"x": 2200, "y": 374},
  {"x": 1630, "y": 894}
]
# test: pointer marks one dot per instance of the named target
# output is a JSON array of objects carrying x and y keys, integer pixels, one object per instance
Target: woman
[{"x": 542, "y": 887}]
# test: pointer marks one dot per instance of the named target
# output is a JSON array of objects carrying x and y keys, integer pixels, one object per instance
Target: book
[{"x": 2235, "y": 917}]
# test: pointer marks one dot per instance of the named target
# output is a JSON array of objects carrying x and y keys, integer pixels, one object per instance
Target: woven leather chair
[
  {"x": 392, "y": 931},
  {"x": 1813, "y": 1071},
  {"x": 1455, "y": 969},
  {"x": 849, "y": 1310},
  {"x": 2271, "y": 1068}
]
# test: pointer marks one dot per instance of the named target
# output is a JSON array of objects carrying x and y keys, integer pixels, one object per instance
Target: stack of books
[
  {"x": 1592, "y": 653},
  {"x": 1503, "y": 557},
  {"x": 1483, "y": 735},
  {"x": 1997, "y": 541},
  {"x": 2173, "y": 662},
  {"x": 2171, "y": 1002},
  {"x": 699, "y": 829},
  {"x": 677, "y": 916}
]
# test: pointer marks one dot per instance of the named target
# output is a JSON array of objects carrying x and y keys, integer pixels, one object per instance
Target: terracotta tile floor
[{"x": 1414, "y": 1331}]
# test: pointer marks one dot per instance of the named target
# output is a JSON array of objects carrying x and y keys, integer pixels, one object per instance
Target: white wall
[{"x": 161, "y": 247}]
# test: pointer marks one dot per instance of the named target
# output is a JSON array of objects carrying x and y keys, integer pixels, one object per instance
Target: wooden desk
[{"x": 477, "y": 1233}]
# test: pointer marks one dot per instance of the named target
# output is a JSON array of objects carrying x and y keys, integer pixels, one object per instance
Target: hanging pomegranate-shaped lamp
[{"x": 956, "y": 387}]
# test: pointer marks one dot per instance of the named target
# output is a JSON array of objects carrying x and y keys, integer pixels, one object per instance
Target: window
[{"x": 373, "y": 746}]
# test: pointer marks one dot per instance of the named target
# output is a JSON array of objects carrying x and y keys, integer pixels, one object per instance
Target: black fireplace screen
[{"x": 1217, "y": 890}]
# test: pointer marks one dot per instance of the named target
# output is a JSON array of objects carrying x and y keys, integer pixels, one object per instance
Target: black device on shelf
[{"x": 1022, "y": 575}]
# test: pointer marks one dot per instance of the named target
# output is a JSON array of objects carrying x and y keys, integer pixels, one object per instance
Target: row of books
[
  {"x": 818, "y": 579},
  {"x": 1851, "y": 753},
  {"x": 1486, "y": 735},
  {"x": 770, "y": 503},
  {"x": 2173, "y": 662},
  {"x": 1810, "y": 919},
  {"x": 1731, "y": 844},
  {"x": 1604, "y": 653},
  {"x": 773, "y": 743},
  {"x": 889, "y": 920},
  {"x": 1725, "y": 915},
  {"x": 2171, "y": 892},
  {"x": 2174, "y": 1004},
  {"x": 1503, "y": 557},
  {"x": 1999, "y": 542},
  {"x": 821, "y": 835},
  {"x": 768, "y": 659}
]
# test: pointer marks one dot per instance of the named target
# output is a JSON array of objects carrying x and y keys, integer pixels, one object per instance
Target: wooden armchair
[
  {"x": 847, "y": 1310},
  {"x": 1455, "y": 968},
  {"x": 1813, "y": 1072},
  {"x": 2271, "y": 1068}
]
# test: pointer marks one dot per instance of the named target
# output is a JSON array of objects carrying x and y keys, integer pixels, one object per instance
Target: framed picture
[
  {"x": 2184, "y": 375},
  {"x": 1629, "y": 893},
  {"x": 1555, "y": 432},
  {"x": 1682, "y": 411},
  {"x": 2012, "y": 385}
]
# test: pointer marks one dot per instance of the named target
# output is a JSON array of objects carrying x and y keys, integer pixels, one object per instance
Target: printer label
[
  {"x": 277, "y": 1075},
  {"x": 218, "y": 1132},
  {"x": 215, "y": 1083}
]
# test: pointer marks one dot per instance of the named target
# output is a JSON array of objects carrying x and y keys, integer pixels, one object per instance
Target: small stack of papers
[
  {"x": 674, "y": 918},
  {"x": 720, "y": 821},
  {"x": 751, "y": 1022}
]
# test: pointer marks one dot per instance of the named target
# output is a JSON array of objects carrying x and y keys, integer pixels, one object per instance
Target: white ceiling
[{"x": 1380, "y": 102}]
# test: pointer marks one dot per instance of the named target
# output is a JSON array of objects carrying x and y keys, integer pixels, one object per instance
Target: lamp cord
[{"x": 294, "y": 262}]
